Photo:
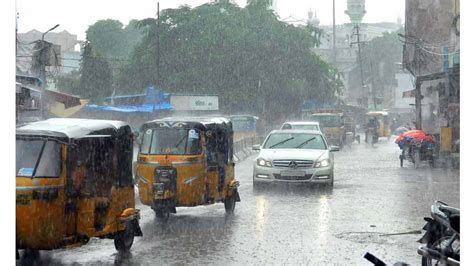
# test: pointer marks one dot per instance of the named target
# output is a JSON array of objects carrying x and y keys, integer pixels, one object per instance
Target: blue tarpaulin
[
  {"x": 153, "y": 100},
  {"x": 144, "y": 108}
]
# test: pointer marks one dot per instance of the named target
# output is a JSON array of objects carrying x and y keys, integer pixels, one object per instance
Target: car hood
[{"x": 294, "y": 154}]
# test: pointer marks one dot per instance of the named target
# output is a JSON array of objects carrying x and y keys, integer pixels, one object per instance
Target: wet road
[{"x": 372, "y": 197}]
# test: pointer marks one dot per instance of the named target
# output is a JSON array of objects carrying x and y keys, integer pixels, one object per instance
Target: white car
[
  {"x": 294, "y": 156},
  {"x": 307, "y": 125}
]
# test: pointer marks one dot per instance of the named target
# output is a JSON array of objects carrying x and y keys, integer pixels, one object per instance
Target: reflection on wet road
[{"x": 372, "y": 196}]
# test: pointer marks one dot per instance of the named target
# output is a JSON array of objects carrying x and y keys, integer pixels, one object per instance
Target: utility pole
[
  {"x": 359, "y": 57},
  {"x": 158, "y": 43},
  {"x": 373, "y": 86},
  {"x": 334, "y": 31}
]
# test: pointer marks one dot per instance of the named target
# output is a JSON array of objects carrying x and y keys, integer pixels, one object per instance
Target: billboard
[{"x": 195, "y": 103}]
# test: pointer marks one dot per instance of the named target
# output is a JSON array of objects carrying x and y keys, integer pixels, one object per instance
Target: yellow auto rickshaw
[
  {"x": 74, "y": 182},
  {"x": 186, "y": 162},
  {"x": 384, "y": 122}
]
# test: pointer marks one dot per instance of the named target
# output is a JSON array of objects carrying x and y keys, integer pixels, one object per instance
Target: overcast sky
[{"x": 76, "y": 16}]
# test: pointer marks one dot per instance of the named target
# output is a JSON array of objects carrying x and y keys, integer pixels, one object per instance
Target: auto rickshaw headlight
[
  {"x": 322, "y": 163},
  {"x": 263, "y": 162}
]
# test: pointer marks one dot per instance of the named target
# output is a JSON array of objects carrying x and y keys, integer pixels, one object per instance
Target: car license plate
[
  {"x": 292, "y": 173},
  {"x": 23, "y": 199}
]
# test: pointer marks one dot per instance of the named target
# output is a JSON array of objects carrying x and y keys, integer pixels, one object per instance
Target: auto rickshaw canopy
[
  {"x": 74, "y": 128},
  {"x": 200, "y": 123},
  {"x": 377, "y": 113}
]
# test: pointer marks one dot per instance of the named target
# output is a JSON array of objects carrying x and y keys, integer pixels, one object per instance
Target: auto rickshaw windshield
[
  {"x": 328, "y": 120},
  {"x": 171, "y": 141},
  {"x": 38, "y": 158}
]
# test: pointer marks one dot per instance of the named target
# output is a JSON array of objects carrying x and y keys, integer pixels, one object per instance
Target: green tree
[
  {"x": 253, "y": 61},
  {"x": 70, "y": 82},
  {"x": 96, "y": 76},
  {"x": 112, "y": 40}
]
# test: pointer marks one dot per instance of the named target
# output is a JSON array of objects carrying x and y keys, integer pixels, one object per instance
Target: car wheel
[{"x": 330, "y": 184}]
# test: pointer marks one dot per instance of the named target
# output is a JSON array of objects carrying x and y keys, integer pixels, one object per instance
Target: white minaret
[
  {"x": 313, "y": 18},
  {"x": 355, "y": 10},
  {"x": 273, "y": 5}
]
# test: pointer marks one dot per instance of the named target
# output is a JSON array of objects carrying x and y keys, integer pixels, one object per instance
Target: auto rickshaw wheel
[
  {"x": 162, "y": 214},
  {"x": 31, "y": 254},
  {"x": 229, "y": 204},
  {"x": 123, "y": 240}
]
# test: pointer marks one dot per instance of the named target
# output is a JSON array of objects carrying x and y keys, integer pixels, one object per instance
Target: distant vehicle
[
  {"x": 332, "y": 124},
  {"x": 301, "y": 125},
  {"x": 383, "y": 120},
  {"x": 244, "y": 126},
  {"x": 294, "y": 156}
]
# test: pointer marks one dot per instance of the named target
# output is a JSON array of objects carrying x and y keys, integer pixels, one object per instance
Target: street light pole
[
  {"x": 334, "y": 31},
  {"x": 42, "y": 37},
  {"x": 42, "y": 65}
]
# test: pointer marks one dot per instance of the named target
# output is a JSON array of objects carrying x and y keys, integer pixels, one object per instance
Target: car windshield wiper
[
  {"x": 281, "y": 142},
  {"x": 304, "y": 143}
]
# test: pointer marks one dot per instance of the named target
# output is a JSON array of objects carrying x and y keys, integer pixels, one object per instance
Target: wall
[
  {"x": 404, "y": 83},
  {"x": 429, "y": 30}
]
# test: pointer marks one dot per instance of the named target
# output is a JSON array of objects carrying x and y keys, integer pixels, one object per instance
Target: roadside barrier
[{"x": 243, "y": 147}]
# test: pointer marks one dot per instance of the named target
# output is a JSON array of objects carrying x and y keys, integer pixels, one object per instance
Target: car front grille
[
  {"x": 293, "y": 178},
  {"x": 293, "y": 163}
]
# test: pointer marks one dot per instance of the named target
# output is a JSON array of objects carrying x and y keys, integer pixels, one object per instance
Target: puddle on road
[{"x": 368, "y": 237}]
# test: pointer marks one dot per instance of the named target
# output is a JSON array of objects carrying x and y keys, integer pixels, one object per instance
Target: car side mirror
[
  {"x": 256, "y": 147},
  {"x": 334, "y": 148}
]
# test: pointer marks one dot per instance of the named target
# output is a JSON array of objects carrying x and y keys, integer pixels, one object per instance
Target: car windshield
[
  {"x": 38, "y": 158},
  {"x": 304, "y": 127},
  {"x": 171, "y": 141},
  {"x": 328, "y": 120},
  {"x": 295, "y": 141}
]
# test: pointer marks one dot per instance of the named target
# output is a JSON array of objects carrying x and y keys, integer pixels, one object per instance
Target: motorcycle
[
  {"x": 371, "y": 135},
  {"x": 441, "y": 242}
]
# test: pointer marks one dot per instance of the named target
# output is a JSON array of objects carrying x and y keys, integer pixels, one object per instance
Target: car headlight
[
  {"x": 322, "y": 163},
  {"x": 263, "y": 162}
]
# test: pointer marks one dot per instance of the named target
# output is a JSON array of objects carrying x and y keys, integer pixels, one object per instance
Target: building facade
[
  {"x": 347, "y": 50},
  {"x": 431, "y": 55}
]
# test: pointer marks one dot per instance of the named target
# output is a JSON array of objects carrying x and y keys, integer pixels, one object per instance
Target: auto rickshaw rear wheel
[
  {"x": 123, "y": 240},
  {"x": 31, "y": 254},
  {"x": 162, "y": 214},
  {"x": 229, "y": 204}
]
